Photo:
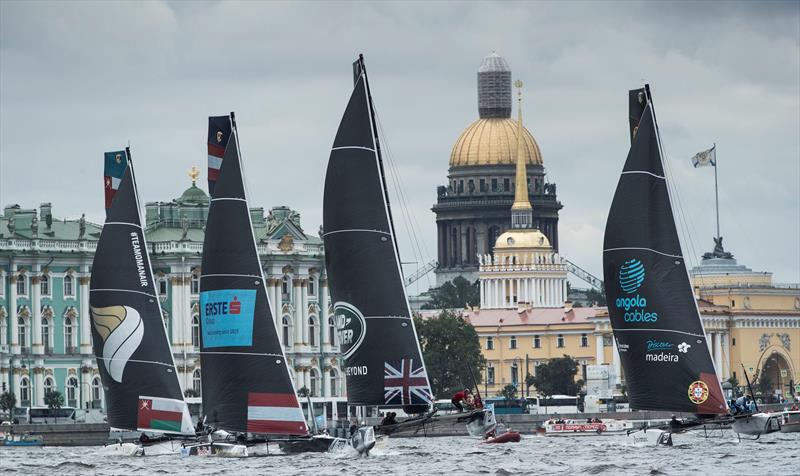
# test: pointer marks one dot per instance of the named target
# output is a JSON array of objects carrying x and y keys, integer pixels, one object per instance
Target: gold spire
[
  {"x": 521, "y": 200},
  {"x": 194, "y": 173}
]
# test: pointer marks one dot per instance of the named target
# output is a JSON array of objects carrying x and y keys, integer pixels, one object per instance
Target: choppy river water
[{"x": 778, "y": 453}]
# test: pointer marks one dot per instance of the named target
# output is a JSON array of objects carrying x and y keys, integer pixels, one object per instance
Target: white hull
[
  {"x": 481, "y": 424},
  {"x": 159, "y": 448},
  {"x": 650, "y": 437},
  {"x": 756, "y": 424}
]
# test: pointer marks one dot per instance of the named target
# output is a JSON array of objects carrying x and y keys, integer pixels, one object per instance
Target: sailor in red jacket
[{"x": 460, "y": 397}]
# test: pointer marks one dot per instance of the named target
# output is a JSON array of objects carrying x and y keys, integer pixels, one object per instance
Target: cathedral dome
[
  {"x": 517, "y": 239},
  {"x": 493, "y": 141},
  {"x": 193, "y": 194}
]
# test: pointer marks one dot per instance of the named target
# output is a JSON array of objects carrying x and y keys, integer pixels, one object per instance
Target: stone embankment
[{"x": 66, "y": 434}]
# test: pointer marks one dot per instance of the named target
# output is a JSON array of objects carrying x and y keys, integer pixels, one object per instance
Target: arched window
[
  {"x": 21, "y": 285},
  {"x": 69, "y": 288},
  {"x": 69, "y": 340},
  {"x": 161, "y": 284},
  {"x": 286, "y": 287},
  {"x": 314, "y": 378},
  {"x": 22, "y": 330},
  {"x": 331, "y": 331},
  {"x": 196, "y": 331},
  {"x": 96, "y": 395},
  {"x": 24, "y": 391},
  {"x": 334, "y": 383},
  {"x": 287, "y": 331},
  {"x": 560, "y": 340},
  {"x": 44, "y": 283},
  {"x": 514, "y": 373},
  {"x": 312, "y": 330},
  {"x": 72, "y": 392},
  {"x": 512, "y": 342},
  {"x": 197, "y": 384},
  {"x": 195, "y": 285},
  {"x": 49, "y": 385},
  {"x": 312, "y": 286},
  {"x": 48, "y": 346}
]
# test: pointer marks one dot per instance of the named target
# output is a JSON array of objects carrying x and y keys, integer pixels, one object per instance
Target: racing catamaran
[
  {"x": 656, "y": 322},
  {"x": 142, "y": 392}
]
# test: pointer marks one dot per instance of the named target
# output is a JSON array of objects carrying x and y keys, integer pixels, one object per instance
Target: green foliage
[
  {"x": 8, "y": 401},
  {"x": 190, "y": 392},
  {"x": 557, "y": 377},
  {"x": 599, "y": 297},
  {"x": 450, "y": 348},
  {"x": 455, "y": 294},
  {"x": 735, "y": 386},
  {"x": 529, "y": 381},
  {"x": 303, "y": 392},
  {"x": 509, "y": 392},
  {"x": 53, "y": 399}
]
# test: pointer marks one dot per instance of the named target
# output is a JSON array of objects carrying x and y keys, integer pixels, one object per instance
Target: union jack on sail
[{"x": 405, "y": 382}]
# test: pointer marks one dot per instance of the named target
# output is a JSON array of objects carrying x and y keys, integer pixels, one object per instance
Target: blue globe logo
[{"x": 631, "y": 275}]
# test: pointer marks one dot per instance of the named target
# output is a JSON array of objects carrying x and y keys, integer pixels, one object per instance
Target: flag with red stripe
[
  {"x": 219, "y": 130},
  {"x": 275, "y": 413},
  {"x": 163, "y": 414},
  {"x": 114, "y": 166}
]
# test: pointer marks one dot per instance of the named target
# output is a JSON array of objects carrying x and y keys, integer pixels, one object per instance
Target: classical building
[
  {"x": 45, "y": 264},
  {"x": 472, "y": 209}
]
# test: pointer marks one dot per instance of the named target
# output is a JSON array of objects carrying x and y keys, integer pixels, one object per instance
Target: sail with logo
[
  {"x": 656, "y": 322},
  {"x": 245, "y": 378},
  {"x": 383, "y": 362},
  {"x": 130, "y": 341}
]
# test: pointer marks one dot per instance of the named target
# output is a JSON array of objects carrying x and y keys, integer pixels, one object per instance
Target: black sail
[
  {"x": 656, "y": 322},
  {"x": 383, "y": 362},
  {"x": 128, "y": 334},
  {"x": 245, "y": 378}
]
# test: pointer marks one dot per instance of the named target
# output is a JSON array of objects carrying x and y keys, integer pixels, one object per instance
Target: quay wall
[{"x": 67, "y": 434}]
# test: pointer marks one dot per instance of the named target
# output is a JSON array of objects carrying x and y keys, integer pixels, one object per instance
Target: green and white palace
[{"x": 45, "y": 264}]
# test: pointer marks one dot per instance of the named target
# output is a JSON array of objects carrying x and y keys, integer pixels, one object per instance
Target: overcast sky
[{"x": 81, "y": 78}]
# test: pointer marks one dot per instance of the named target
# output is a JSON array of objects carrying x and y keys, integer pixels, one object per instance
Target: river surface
[{"x": 777, "y": 453}]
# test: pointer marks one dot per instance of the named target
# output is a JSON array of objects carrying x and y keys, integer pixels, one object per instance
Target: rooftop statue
[{"x": 719, "y": 251}]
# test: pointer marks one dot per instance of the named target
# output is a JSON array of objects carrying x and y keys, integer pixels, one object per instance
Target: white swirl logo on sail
[
  {"x": 121, "y": 329},
  {"x": 351, "y": 326}
]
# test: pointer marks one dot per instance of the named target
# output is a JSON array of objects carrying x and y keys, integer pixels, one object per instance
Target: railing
[
  {"x": 15, "y": 244},
  {"x": 72, "y": 403},
  {"x": 71, "y": 350},
  {"x": 24, "y": 350},
  {"x": 47, "y": 349}
]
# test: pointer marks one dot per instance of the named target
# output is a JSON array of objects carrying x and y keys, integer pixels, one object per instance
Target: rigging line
[
  {"x": 111, "y": 359},
  {"x": 662, "y": 330},
  {"x": 640, "y": 248},
  {"x": 123, "y": 291},
  {"x": 122, "y": 223},
  {"x": 686, "y": 229},
  {"x": 255, "y": 354}
]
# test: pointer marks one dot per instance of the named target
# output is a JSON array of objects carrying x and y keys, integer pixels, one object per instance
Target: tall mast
[{"x": 716, "y": 188}]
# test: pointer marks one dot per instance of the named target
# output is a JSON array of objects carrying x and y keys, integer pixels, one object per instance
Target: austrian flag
[
  {"x": 163, "y": 414},
  {"x": 275, "y": 414},
  {"x": 219, "y": 130},
  {"x": 113, "y": 170},
  {"x": 405, "y": 383}
]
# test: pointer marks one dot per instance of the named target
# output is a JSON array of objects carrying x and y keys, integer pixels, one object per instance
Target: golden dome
[
  {"x": 493, "y": 141},
  {"x": 525, "y": 238}
]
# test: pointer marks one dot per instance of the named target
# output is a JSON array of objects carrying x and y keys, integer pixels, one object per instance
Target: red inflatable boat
[{"x": 507, "y": 437}]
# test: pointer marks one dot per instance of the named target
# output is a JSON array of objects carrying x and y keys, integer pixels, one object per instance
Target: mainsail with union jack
[
  {"x": 382, "y": 358},
  {"x": 405, "y": 383}
]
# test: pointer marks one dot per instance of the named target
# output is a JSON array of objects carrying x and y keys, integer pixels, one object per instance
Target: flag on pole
[
  {"x": 114, "y": 168},
  {"x": 219, "y": 130},
  {"x": 706, "y": 157}
]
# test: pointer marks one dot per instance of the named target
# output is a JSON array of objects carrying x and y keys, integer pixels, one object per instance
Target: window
[
  {"x": 69, "y": 340},
  {"x": 25, "y": 391},
  {"x": 312, "y": 330},
  {"x": 733, "y": 341},
  {"x": 197, "y": 382},
  {"x": 286, "y": 287},
  {"x": 733, "y": 302},
  {"x": 21, "y": 285},
  {"x": 494, "y": 185},
  {"x": 482, "y": 185},
  {"x": 162, "y": 288},
  {"x": 607, "y": 341},
  {"x": 72, "y": 387},
  {"x": 46, "y": 335},
  {"x": 506, "y": 184},
  {"x": 490, "y": 343},
  {"x": 514, "y": 373},
  {"x": 3, "y": 327},
  {"x": 312, "y": 286},
  {"x": 44, "y": 283},
  {"x": 196, "y": 331},
  {"x": 96, "y": 386},
  {"x": 334, "y": 383},
  {"x": 69, "y": 289},
  {"x": 560, "y": 341},
  {"x": 471, "y": 185},
  {"x": 331, "y": 331},
  {"x": 287, "y": 332},
  {"x": 537, "y": 342},
  {"x": 490, "y": 375},
  {"x": 49, "y": 386},
  {"x": 460, "y": 186},
  {"x": 584, "y": 340},
  {"x": 314, "y": 382},
  {"x": 195, "y": 284},
  {"x": 512, "y": 342},
  {"x": 22, "y": 332}
]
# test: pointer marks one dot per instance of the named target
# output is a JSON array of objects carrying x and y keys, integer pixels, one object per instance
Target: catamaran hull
[
  {"x": 650, "y": 437},
  {"x": 480, "y": 423},
  {"x": 218, "y": 449},
  {"x": 756, "y": 424},
  {"x": 362, "y": 442}
]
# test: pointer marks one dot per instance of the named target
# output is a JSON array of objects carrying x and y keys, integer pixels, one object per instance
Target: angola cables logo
[
  {"x": 631, "y": 275},
  {"x": 121, "y": 329}
]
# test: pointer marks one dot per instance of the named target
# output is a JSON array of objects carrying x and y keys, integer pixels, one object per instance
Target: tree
[
  {"x": 557, "y": 377},
  {"x": 7, "y": 402},
  {"x": 54, "y": 400},
  {"x": 595, "y": 296},
  {"x": 734, "y": 382},
  {"x": 455, "y": 294},
  {"x": 509, "y": 392},
  {"x": 303, "y": 392},
  {"x": 450, "y": 348},
  {"x": 190, "y": 392}
]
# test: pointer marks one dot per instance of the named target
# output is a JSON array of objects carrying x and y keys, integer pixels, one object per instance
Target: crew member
[{"x": 460, "y": 397}]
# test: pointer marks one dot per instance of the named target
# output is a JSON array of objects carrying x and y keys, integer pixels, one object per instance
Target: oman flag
[
  {"x": 161, "y": 414},
  {"x": 275, "y": 413}
]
